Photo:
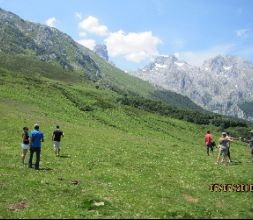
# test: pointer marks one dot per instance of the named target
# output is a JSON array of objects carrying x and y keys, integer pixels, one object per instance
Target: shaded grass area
[{"x": 137, "y": 164}]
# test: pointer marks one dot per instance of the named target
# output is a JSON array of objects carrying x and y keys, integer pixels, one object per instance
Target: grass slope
[{"x": 141, "y": 165}]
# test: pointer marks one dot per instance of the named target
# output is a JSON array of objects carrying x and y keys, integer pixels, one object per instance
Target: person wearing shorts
[
  {"x": 25, "y": 143},
  {"x": 56, "y": 138}
]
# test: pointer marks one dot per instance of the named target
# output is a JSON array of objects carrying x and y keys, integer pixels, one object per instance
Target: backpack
[{"x": 213, "y": 144}]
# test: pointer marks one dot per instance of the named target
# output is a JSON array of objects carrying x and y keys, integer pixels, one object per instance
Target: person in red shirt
[{"x": 208, "y": 142}]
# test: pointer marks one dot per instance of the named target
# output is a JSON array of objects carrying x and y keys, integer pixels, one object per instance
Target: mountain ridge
[{"x": 219, "y": 85}]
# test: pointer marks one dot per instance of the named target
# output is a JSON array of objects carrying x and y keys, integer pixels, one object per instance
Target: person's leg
[
  {"x": 58, "y": 149},
  {"x": 55, "y": 148},
  {"x": 224, "y": 156},
  {"x": 228, "y": 155},
  {"x": 251, "y": 153},
  {"x": 31, "y": 158},
  {"x": 37, "y": 164},
  {"x": 22, "y": 155},
  {"x": 24, "y": 151},
  {"x": 207, "y": 150}
]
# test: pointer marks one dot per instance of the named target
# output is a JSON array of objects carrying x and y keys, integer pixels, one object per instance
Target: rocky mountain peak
[
  {"x": 221, "y": 64},
  {"x": 165, "y": 59},
  {"x": 162, "y": 63},
  {"x": 101, "y": 50}
]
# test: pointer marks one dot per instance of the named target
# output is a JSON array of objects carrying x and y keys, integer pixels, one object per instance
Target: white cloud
[
  {"x": 78, "y": 15},
  {"x": 92, "y": 25},
  {"x": 89, "y": 43},
  {"x": 197, "y": 57},
  {"x": 51, "y": 22},
  {"x": 242, "y": 33},
  {"x": 134, "y": 47},
  {"x": 82, "y": 34}
]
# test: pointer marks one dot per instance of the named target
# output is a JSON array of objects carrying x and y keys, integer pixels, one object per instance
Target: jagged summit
[
  {"x": 163, "y": 63},
  {"x": 220, "y": 85},
  {"x": 219, "y": 64},
  {"x": 101, "y": 50}
]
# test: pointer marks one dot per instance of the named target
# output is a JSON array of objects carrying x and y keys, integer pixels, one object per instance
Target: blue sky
[{"x": 135, "y": 31}]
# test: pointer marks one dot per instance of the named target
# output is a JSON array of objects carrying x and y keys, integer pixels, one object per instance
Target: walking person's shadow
[
  {"x": 235, "y": 162},
  {"x": 64, "y": 156}
]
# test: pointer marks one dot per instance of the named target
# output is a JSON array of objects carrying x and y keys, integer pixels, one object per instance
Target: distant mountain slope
[
  {"x": 219, "y": 85},
  {"x": 48, "y": 44},
  {"x": 22, "y": 40}
]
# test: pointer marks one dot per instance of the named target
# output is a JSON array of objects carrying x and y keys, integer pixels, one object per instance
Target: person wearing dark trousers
[
  {"x": 36, "y": 137},
  {"x": 228, "y": 152},
  {"x": 208, "y": 142}
]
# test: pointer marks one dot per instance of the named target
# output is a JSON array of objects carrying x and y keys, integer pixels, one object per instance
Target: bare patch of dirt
[
  {"x": 17, "y": 206},
  {"x": 190, "y": 199}
]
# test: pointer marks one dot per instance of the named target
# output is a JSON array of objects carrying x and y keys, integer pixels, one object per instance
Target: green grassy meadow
[{"x": 136, "y": 164}]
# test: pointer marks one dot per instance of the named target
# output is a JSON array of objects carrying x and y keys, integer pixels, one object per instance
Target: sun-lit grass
[{"x": 140, "y": 165}]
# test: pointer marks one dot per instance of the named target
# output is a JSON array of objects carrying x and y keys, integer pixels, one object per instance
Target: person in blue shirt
[{"x": 36, "y": 137}]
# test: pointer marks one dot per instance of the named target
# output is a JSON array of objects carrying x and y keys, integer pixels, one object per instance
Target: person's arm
[
  {"x": 230, "y": 139},
  {"x": 30, "y": 141},
  {"x": 23, "y": 137},
  {"x": 42, "y": 137},
  {"x": 220, "y": 140}
]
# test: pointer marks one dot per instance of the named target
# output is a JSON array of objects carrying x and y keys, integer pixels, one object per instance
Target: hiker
[
  {"x": 251, "y": 143},
  {"x": 36, "y": 137},
  {"x": 208, "y": 142},
  {"x": 56, "y": 138},
  {"x": 25, "y": 143},
  {"x": 223, "y": 148},
  {"x": 229, "y": 158}
]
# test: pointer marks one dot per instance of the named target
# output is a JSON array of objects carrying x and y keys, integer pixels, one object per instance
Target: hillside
[
  {"x": 23, "y": 40},
  {"x": 135, "y": 164},
  {"x": 131, "y": 149}
]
